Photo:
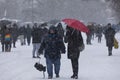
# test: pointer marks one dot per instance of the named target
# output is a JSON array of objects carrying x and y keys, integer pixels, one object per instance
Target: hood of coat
[{"x": 52, "y": 30}]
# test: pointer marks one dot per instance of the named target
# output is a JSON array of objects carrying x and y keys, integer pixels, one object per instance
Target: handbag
[
  {"x": 116, "y": 45},
  {"x": 40, "y": 67}
]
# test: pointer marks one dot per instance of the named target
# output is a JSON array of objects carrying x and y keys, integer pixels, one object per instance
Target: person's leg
[
  {"x": 75, "y": 68},
  {"x": 37, "y": 48},
  {"x": 57, "y": 64},
  {"x": 28, "y": 40},
  {"x": 14, "y": 42},
  {"x": 109, "y": 51},
  {"x": 34, "y": 48},
  {"x": 9, "y": 46},
  {"x": 49, "y": 68},
  {"x": 3, "y": 47},
  {"x": 6, "y": 46}
]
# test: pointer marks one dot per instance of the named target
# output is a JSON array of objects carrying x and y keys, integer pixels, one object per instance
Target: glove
[
  {"x": 63, "y": 52},
  {"x": 40, "y": 52}
]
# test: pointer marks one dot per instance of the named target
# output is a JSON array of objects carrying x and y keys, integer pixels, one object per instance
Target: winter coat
[
  {"x": 2, "y": 33},
  {"x": 53, "y": 46},
  {"x": 14, "y": 33},
  {"x": 60, "y": 30},
  {"x": 75, "y": 41},
  {"x": 36, "y": 35},
  {"x": 28, "y": 32},
  {"x": 109, "y": 36}
]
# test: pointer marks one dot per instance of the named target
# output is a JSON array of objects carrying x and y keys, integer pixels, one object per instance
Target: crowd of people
[{"x": 51, "y": 42}]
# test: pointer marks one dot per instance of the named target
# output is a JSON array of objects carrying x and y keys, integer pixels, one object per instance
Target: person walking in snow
[
  {"x": 75, "y": 45},
  {"x": 53, "y": 46},
  {"x": 36, "y": 40},
  {"x": 14, "y": 34},
  {"x": 109, "y": 36},
  {"x": 28, "y": 34},
  {"x": 2, "y": 33},
  {"x": 7, "y": 40}
]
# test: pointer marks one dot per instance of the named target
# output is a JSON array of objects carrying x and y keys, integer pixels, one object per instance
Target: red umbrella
[{"x": 76, "y": 24}]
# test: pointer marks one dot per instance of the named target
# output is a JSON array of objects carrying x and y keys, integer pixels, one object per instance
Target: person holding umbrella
[{"x": 75, "y": 42}]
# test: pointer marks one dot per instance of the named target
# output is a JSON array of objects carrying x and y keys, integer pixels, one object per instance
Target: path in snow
[{"x": 94, "y": 64}]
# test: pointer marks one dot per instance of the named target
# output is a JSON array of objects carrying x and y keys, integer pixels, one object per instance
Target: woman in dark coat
[
  {"x": 75, "y": 41},
  {"x": 109, "y": 36}
]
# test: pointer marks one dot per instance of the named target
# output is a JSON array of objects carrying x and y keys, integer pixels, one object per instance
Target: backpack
[{"x": 7, "y": 37}]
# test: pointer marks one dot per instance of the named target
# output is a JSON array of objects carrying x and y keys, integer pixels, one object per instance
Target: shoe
[
  {"x": 38, "y": 57},
  {"x": 49, "y": 77},
  {"x": 34, "y": 57},
  {"x": 74, "y": 76},
  {"x": 57, "y": 76},
  {"x": 110, "y": 54}
]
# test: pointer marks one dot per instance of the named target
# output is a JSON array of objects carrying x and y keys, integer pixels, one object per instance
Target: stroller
[{"x": 40, "y": 67}]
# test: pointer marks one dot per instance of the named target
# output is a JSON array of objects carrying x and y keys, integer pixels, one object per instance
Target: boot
[
  {"x": 74, "y": 76},
  {"x": 110, "y": 53},
  {"x": 57, "y": 76},
  {"x": 49, "y": 77}
]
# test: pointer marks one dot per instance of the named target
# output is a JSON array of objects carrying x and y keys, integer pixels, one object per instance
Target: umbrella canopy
[
  {"x": 5, "y": 22},
  {"x": 76, "y": 24},
  {"x": 53, "y": 22}
]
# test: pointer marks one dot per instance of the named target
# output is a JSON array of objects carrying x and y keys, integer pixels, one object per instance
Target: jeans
[
  {"x": 50, "y": 63},
  {"x": 36, "y": 47}
]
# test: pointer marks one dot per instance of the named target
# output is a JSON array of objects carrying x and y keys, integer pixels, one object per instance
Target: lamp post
[{"x": 32, "y": 11}]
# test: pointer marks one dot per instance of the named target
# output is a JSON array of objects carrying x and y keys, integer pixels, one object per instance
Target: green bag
[{"x": 116, "y": 45}]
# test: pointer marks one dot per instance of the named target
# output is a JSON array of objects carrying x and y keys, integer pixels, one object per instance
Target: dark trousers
[
  {"x": 75, "y": 66},
  {"x": 28, "y": 40},
  {"x": 7, "y": 46},
  {"x": 3, "y": 47},
  {"x": 110, "y": 50}
]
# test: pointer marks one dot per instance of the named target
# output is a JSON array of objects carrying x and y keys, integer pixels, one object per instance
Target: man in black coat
[
  {"x": 75, "y": 41},
  {"x": 14, "y": 34},
  {"x": 109, "y": 36},
  {"x": 2, "y": 32},
  {"x": 28, "y": 34},
  {"x": 36, "y": 40}
]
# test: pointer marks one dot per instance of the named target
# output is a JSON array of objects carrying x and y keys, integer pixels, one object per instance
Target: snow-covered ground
[{"x": 94, "y": 64}]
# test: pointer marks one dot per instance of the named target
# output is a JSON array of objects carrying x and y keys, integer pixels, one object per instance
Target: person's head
[
  {"x": 109, "y": 24},
  {"x": 35, "y": 25},
  {"x": 52, "y": 30}
]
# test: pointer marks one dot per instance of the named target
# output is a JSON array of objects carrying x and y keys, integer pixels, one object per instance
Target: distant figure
[
  {"x": 7, "y": 40},
  {"x": 99, "y": 34},
  {"x": 28, "y": 34},
  {"x": 89, "y": 36},
  {"x": 14, "y": 34},
  {"x": 2, "y": 32},
  {"x": 109, "y": 36},
  {"x": 75, "y": 46},
  {"x": 22, "y": 35},
  {"x": 60, "y": 30},
  {"x": 37, "y": 34}
]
